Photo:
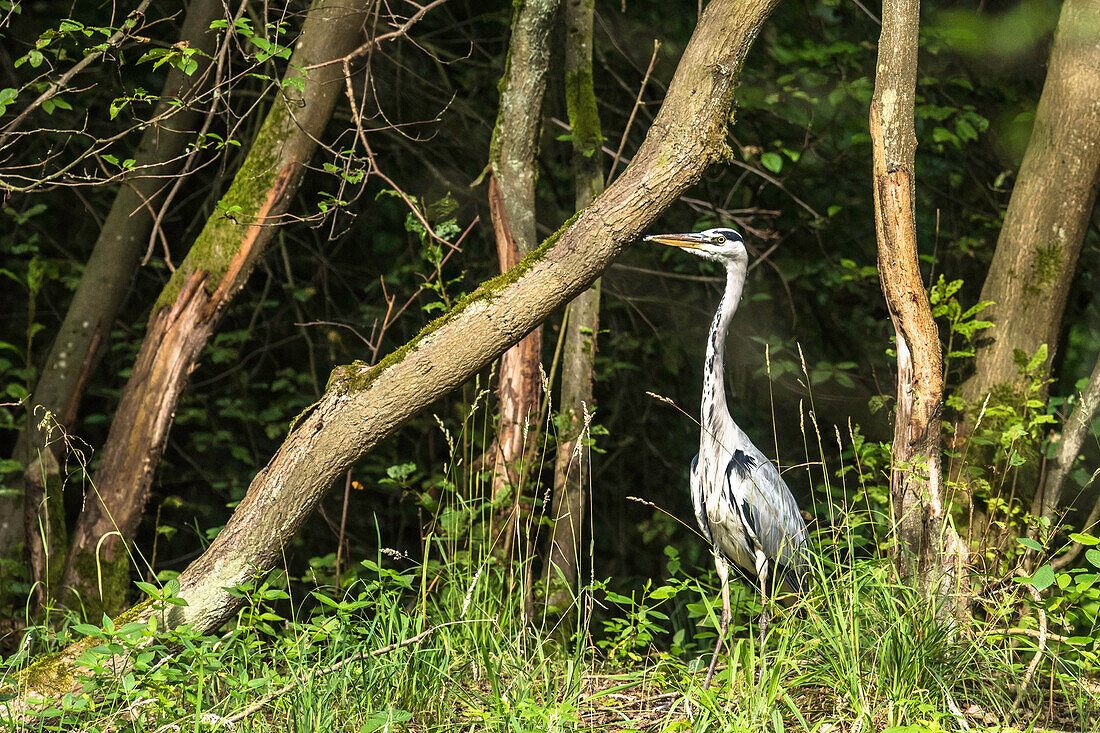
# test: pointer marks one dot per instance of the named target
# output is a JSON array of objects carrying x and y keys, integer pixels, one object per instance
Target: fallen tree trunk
[
  {"x": 363, "y": 405},
  {"x": 191, "y": 304}
]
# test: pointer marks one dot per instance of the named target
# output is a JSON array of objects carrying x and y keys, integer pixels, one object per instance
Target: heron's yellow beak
[{"x": 684, "y": 241}]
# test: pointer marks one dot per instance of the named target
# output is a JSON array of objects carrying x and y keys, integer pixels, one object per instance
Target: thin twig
[
  {"x": 400, "y": 32},
  {"x": 633, "y": 112},
  {"x": 55, "y": 87},
  {"x": 343, "y": 526}
]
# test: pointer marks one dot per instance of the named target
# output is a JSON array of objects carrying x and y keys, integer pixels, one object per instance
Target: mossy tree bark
[
  {"x": 571, "y": 466},
  {"x": 1049, "y": 212},
  {"x": 916, "y": 485},
  {"x": 81, "y": 339},
  {"x": 192, "y": 302},
  {"x": 363, "y": 405},
  {"x": 512, "y": 166}
]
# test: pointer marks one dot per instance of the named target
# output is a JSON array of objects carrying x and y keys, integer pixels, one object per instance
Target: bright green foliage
[{"x": 355, "y": 277}]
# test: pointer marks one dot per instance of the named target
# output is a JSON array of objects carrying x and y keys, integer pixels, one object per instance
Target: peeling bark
[
  {"x": 78, "y": 346},
  {"x": 512, "y": 163},
  {"x": 363, "y": 405},
  {"x": 916, "y": 485},
  {"x": 1048, "y": 215},
  {"x": 519, "y": 387},
  {"x": 194, "y": 299},
  {"x": 571, "y": 465}
]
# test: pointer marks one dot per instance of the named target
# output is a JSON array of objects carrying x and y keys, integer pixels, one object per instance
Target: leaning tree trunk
[
  {"x": 916, "y": 485},
  {"x": 512, "y": 163},
  {"x": 1050, "y": 210},
  {"x": 191, "y": 304},
  {"x": 363, "y": 405},
  {"x": 80, "y": 341},
  {"x": 571, "y": 466},
  {"x": 1067, "y": 450}
]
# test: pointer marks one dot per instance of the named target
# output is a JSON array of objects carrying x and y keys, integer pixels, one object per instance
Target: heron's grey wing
[
  {"x": 772, "y": 512},
  {"x": 698, "y": 500}
]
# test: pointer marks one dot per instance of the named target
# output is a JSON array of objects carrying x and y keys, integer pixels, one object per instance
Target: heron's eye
[{"x": 721, "y": 239}]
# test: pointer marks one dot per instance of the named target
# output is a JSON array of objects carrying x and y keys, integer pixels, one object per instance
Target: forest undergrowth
[{"x": 460, "y": 638}]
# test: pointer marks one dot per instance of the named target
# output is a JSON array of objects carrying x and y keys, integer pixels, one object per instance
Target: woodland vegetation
[{"x": 340, "y": 393}]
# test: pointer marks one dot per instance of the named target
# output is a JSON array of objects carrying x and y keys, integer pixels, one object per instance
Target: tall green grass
[{"x": 457, "y": 639}]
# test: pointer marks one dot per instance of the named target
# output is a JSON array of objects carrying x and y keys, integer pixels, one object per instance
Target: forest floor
[{"x": 391, "y": 651}]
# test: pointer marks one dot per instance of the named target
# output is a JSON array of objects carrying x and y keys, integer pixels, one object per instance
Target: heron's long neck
[{"x": 714, "y": 409}]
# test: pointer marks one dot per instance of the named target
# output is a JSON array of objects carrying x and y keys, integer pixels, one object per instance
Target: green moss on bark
[
  {"x": 1046, "y": 268},
  {"x": 49, "y": 674},
  {"x": 355, "y": 377},
  {"x": 114, "y": 576},
  {"x": 584, "y": 116},
  {"x": 220, "y": 238},
  {"x": 59, "y": 532}
]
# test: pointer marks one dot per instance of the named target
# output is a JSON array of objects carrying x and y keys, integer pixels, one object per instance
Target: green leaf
[
  {"x": 662, "y": 593},
  {"x": 86, "y": 629},
  {"x": 148, "y": 588},
  {"x": 943, "y": 135},
  {"x": 1043, "y": 578},
  {"x": 17, "y": 391},
  {"x": 1084, "y": 538},
  {"x": 772, "y": 161},
  {"x": 1093, "y": 556},
  {"x": 1038, "y": 359},
  {"x": 1030, "y": 543},
  {"x": 965, "y": 130}
]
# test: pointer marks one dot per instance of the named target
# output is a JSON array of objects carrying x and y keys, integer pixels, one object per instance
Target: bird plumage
[{"x": 742, "y": 505}]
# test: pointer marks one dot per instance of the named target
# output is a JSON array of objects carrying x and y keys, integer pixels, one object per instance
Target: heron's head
[{"x": 721, "y": 245}]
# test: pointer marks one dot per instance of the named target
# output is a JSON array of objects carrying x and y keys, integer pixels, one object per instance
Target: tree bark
[
  {"x": 194, "y": 299},
  {"x": 81, "y": 339},
  {"x": 1036, "y": 257},
  {"x": 1069, "y": 447},
  {"x": 512, "y": 162},
  {"x": 572, "y": 467},
  {"x": 916, "y": 485},
  {"x": 363, "y": 405}
]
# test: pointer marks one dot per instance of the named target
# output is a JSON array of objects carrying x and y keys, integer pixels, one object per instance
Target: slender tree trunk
[
  {"x": 1073, "y": 437},
  {"x": 364, "y": 405},
  {"x": 512, "y": 164},
  {"x": 1049, "y": 213},
  {"x": 571, "y": 466},
  {"x": 80, "y": 341},
  {"x": 916, "y": 485},
  {"x": 191, "y": 304}
]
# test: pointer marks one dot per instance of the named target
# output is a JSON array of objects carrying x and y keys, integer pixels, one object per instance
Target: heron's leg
[
  {"x": 762, "y": 574},
  {"x": 723, "y": 577}
]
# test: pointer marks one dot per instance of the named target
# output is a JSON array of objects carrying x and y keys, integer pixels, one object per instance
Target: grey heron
[{"x": 743, "y": 507}]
